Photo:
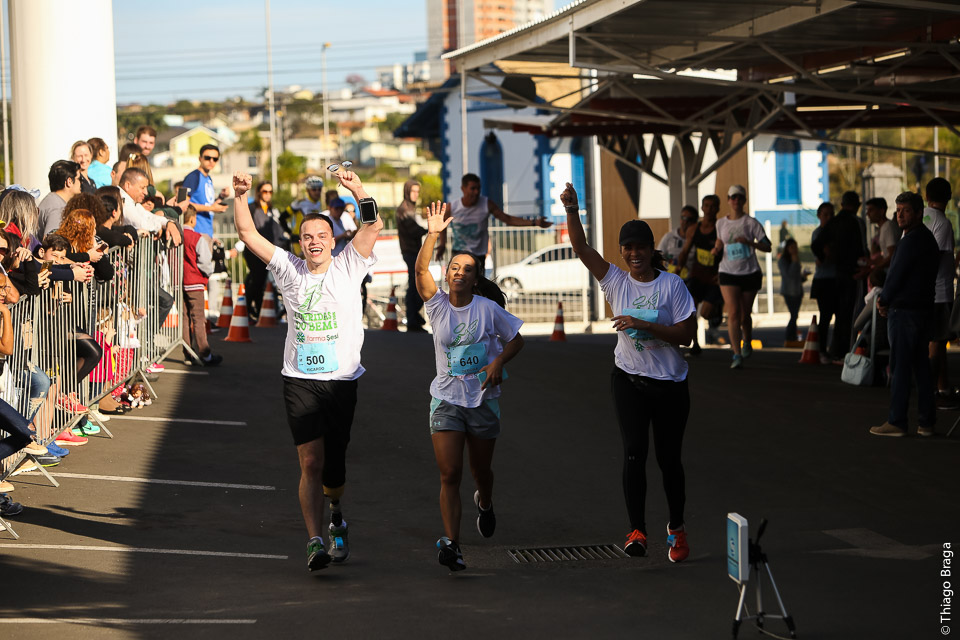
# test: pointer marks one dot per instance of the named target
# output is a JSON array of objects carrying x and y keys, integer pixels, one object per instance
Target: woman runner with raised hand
[
  {"x": 655, "y": 315},
  {"x": 468, "y": 329}
]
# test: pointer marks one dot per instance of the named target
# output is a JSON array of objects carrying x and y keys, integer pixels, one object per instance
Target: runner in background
[
  {"x": 703, "y": 282},
  {"x": 655, "y": 316},
  {"x": 321, "y": 357},
  {"x": 739, "y": 236},
  {"x": 473, "y": 338}
]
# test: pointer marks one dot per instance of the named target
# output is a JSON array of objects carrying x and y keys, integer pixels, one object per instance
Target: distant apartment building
[
  {"x": 400, "y": 76},
  {"x": 481, "y": 19}
]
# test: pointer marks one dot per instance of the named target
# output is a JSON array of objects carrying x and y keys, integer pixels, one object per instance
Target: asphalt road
[{"x": 857, "y": 522}]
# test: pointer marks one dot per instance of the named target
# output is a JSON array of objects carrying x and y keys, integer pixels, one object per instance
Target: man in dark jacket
[
  {"x": 841, "y": 244},
  {"x": 907, "y": 303}
]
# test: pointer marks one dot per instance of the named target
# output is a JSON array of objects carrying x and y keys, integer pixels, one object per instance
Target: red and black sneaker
[
  {"x": 678, "y": 550},
  {"x": 636, "y": 545}
]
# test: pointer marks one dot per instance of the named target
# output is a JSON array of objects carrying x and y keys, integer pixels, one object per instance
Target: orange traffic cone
[
  {"x": 558, "y": 333},
  {"x": 268, "y": 309},
  {"x": 173, "y": 318},
  {"x": 226, "y": 307},
  {"x": 239, "y": 321},
  {"x": 811, "y": 348},
  {"x": 390, "y": 322}
]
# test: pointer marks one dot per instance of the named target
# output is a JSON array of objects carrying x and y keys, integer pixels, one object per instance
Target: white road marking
[
  {"x": 230, "y": 423},
  {"x": 185, "y": 483},
  {"x": 123, "y": 621},
  {"x": 870, "y": 544},
  {"x": 119, "y": 549}
]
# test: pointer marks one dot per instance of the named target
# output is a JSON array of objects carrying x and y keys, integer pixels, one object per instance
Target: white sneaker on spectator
[{"x": 95, "y": 414}]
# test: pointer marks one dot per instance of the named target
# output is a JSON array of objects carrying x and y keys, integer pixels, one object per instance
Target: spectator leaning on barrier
[
  {"x": 146, "y": 139},
  {"x": 133, "y": 189},
  {"x": 99, "y": 170},
  {"x": 907, "y": 301},
  {"x": 410, "y": 231},
  {"x": 197, "y": 267},
  {"x": 79, "y": 227},
  {"x": 109, "y": 226},
  {"x": 202, "y": 195},
  {"x": 938, "y": 194},
  {"x": 81, "y": 154},
  {"x": 841, "y": 242},
  {"x": 64, "y": 180}
]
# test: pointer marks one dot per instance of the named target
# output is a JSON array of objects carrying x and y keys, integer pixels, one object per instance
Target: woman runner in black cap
[{"x": 655, "y": 315}]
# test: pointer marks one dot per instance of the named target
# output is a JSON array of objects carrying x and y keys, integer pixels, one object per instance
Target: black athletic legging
[
  {"x": 89, "y": 354},
  {"x": 640, "y": 402}
]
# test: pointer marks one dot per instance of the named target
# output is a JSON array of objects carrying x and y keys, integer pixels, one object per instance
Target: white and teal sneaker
[{"x": 339, "y": 548}]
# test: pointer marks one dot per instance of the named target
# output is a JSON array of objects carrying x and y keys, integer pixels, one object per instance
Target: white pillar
[{"x": 63, "y": 82}]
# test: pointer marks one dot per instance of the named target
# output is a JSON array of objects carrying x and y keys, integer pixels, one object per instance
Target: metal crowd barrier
[{"x": 123, "y": 315}]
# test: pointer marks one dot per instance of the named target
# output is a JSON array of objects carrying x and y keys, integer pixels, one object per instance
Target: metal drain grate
[{"x": 562, "y": 554}]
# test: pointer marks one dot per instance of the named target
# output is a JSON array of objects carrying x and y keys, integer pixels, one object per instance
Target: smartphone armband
[{"x": 368, "y": 210}]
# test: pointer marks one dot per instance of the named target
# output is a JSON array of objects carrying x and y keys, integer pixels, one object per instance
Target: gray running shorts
[{"x": 482, "y": 422}]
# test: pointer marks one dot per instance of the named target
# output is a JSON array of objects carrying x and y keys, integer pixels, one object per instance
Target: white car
[{"x": 553, "y": 268}]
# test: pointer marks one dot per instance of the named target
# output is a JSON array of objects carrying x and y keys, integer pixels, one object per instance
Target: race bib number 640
[{"x": 467, "y": 359}]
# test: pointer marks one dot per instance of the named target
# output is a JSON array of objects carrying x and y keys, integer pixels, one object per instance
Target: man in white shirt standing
[
  {"x": 321, "y": 357},
  {"x": 938, "y": 194}
]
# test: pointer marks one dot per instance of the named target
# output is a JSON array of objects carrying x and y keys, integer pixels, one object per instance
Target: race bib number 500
[{"x": 317, "y": 357}]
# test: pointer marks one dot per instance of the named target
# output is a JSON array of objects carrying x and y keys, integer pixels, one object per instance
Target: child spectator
[
  {"x": 791, "y": 284},
  {"x": 197, "y": 267}
]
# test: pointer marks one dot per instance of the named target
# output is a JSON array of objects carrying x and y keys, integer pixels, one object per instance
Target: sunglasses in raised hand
[{"x": 338, "y": 167}]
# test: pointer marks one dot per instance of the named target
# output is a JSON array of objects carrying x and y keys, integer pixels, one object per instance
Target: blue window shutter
[
  {"x": 491, "y": 168},
  {"x": 788, "y": 171}
]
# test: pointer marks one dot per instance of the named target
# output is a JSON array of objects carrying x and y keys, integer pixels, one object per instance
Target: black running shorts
[
  {"x": 747, "y": 283},
  {"x": 319, "y": 408}
]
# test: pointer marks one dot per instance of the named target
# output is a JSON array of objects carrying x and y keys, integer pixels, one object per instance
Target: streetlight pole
[
  {"x": 326, "y": 111},
  {"x": 273, "y": 111}
]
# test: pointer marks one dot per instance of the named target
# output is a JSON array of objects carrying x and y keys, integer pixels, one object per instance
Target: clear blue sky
[{"x": 213, "y": 49}]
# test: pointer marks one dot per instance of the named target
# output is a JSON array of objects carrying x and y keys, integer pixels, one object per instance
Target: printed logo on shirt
[
  {"x": 311, "y": 295},
  {"x": 640, "y": 343},
  {"x": 463, "y": 233}
]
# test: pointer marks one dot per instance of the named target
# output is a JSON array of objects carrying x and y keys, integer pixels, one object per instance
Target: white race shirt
[
  {"x": 739, "y": 259},
  {"x": 943, "y": 232},
  {"x": 324, "y": 329},
  {"x": 465, "y": 340},
  {"x": 665, "y": 301},
  {"x": 470, "y": 226}
]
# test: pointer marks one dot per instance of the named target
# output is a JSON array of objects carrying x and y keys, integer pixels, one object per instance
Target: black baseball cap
[{"x": 636, "y": 231}]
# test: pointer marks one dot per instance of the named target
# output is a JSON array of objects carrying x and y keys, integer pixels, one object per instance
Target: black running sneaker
[
  {"x": 448, "y": 554},
  {"x": 8, "y": 507},
  {"x": 486, "y": 520},
  {"x": 317, "y": 556}
]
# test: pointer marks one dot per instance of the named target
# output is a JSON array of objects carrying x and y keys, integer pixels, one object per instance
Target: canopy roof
[{"x": 801, "y": 68}]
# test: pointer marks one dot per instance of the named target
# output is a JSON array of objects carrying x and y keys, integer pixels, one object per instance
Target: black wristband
[{"x": 572, "y": 208}]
